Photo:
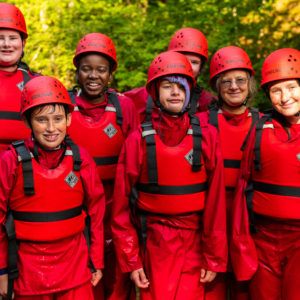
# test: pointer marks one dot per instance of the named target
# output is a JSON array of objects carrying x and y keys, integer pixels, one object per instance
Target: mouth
[
  {"x": 51, "y": 137},
  {"x": 93, "y": 85}
]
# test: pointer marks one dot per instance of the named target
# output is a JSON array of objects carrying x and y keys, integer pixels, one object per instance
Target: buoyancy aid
[
  {"x": 11, "y": 124},
  {"x": 54, "y": 209},
  {"x": 170, "y": 183},
  {"x": 103, "y": 139},
  {"x": 232, "y": 138},
  {"x": 276, "y": 175}
]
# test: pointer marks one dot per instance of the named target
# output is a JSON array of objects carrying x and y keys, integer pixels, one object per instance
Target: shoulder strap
[
  {"x": 76, "y": 154},
  {"x": 258, "y": 137},
  {"x": 195, "y": 95},
  {"x": 197, "y": 143},
  {"x": 113, "y": 99},
  {"x": 26, "y": 76},
  {"x": 149, "y": 134},
  {"x": 72, "y": 94},
  {"x": 27, "y": 170},
  {"x": 213, "y": 116},
  {"x": 149, "y": 107}
]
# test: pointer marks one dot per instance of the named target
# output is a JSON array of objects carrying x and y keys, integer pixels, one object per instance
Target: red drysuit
[
  {"x": 96, "y": 128},
  {"x": 271, "y": 165},
  {"x": 11, "y": 124},
  {"x": 229, "y": 126},
  {"x": 177, "y": 245},
  {"x": 52, "y": 256}
]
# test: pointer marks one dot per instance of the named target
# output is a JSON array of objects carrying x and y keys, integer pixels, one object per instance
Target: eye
[
  {"x": 102, "y": 70},
  {"x": 225, "y": 83},
  {"x": 41, "y": 119},
  {"x": 241, "y": 81}
]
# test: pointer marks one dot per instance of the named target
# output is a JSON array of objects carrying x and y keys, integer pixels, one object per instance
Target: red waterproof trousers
[{"x": 278, "y": 248}]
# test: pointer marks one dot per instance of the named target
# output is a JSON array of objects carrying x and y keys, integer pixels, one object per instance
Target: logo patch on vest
[
  {"x": 189, "y": 157},
  {"x": 110, "y": 130},
  {"x": 71, "y": 179},
  {"x": 20, "y": 85}
]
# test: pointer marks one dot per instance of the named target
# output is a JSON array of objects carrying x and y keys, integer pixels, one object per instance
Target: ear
[{"x": 69, "y": 119}]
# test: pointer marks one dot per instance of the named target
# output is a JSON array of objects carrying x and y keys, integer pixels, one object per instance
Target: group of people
[{"x": 165, "y": 189}]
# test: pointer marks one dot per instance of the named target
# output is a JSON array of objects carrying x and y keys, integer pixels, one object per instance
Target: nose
[
  {"x": 286, "y": 95},
  {"x": 5, "y": 42},
  {"x": 93, "y": 74},
  {"x": 233, "y": 85},
  {"x": 175, "y": 89},
  {"x": 50, "y": 126}
]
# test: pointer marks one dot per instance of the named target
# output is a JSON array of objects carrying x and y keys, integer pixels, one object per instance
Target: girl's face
[
  {"x": 93, "y": 75},
  {"x": 11, "y": 47},
  {"x": 285, "y": 97},
  {"x": 171, "y": 96},
  {"x": 49, "y": 125}
]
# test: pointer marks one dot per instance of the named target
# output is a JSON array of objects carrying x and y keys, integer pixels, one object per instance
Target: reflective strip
[
  {"x": 76, "y": 108},
  {"x": 268, "y": 126},
  {"x": 110, "y": 108},
  {"x": 190, "y": 131},
  {"x": 148, "y": 132}
]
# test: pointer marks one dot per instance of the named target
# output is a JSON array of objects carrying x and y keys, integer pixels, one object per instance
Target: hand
[
  {"x": 3, "y": 285},
  {"x": 139, "y": 278},
  {"x": 207, "y": 276},
  {"x": 96, "y": 277}
]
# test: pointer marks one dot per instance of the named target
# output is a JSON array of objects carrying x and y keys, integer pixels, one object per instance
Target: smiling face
[
  {"x": 171, "y": 96},
  {"x": 49, "y": 125},
  {"x": 234, "y": 89},
  {"x": 11, "y": 48},
  {"x": 93, "y": 75},
  {"x": 285, "y": 98}
]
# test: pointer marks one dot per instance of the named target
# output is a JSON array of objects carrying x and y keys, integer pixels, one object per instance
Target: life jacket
[
  {"x": 232, "y": 139},
  {"x": 11, "y": 124},
  {"x": 103, "y": 139},
  {"x": 276, "y": 174},
  {"x": 173, "y": 180},
  {"x": 46, "y": 204}
]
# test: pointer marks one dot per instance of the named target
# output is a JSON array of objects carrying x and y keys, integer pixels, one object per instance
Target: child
[{"x": 47, "y": 187}]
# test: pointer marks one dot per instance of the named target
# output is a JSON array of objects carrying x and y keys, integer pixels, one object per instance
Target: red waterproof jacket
[
  {"x": 171, "y": 131},
  {"x": 140, "y": 96},
  {"x": 86, "y": 129},
  {"x": 47, "y": 267},
  {"x": 12, "y": 127},
  {"x": 279, "y": 164}
]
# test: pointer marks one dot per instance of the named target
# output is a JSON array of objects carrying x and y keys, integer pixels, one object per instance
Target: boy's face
[{"x": 49, "y": 125}]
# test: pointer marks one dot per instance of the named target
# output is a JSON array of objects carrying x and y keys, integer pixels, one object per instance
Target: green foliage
[{"x": 142, "y": 28}]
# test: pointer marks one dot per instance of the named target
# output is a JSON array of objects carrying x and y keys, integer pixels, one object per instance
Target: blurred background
[{"x": 142, "y": 29}]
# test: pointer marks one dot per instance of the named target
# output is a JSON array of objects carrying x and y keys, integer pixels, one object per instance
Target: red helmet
[
  {"x": 99, "y": 43},
  {"x": 44, "y": 90},
  {"x": 281, "y": 64},
  {"x": 168, "y": 63},
  {"x": 229, "y": 58},
  {"x": 189, "y": 40},
  {"x": 12, "y": 18}
]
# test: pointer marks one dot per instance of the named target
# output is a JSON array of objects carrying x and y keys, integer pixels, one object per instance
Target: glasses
[{"x": 240, "y": 82}]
